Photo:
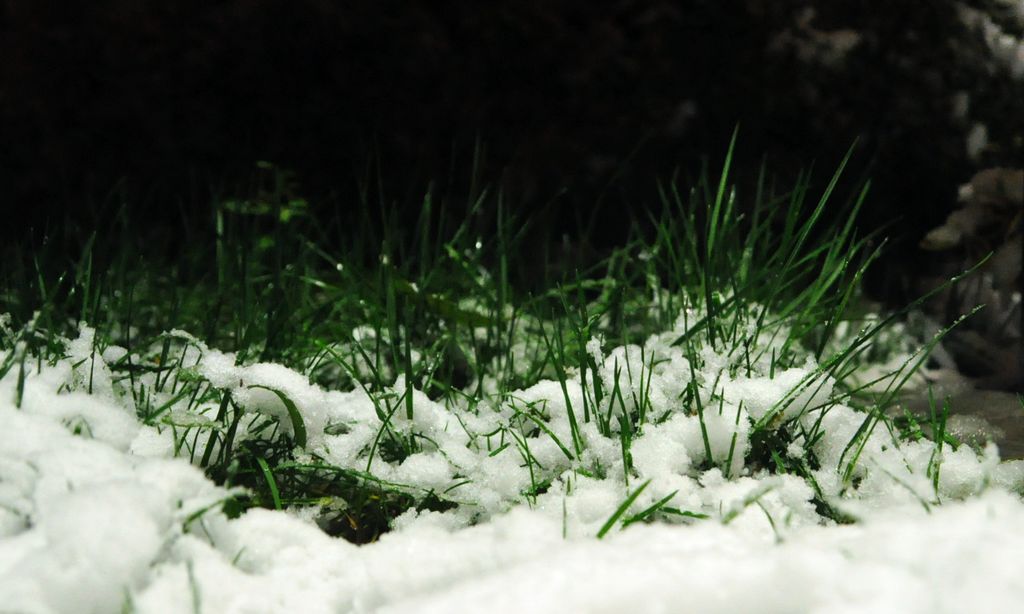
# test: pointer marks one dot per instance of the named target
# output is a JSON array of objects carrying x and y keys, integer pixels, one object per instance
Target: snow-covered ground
[{"x": 96, "y": 515}]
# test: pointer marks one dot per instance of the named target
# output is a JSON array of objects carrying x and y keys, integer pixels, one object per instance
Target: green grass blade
[
  {"x": 298, "y": 425},
  {"x": 607, "y": 526},
  {"x": 268, "y": 475}
]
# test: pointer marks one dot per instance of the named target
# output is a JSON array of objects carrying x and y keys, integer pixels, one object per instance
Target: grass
[{"x": 762, "y": 278}]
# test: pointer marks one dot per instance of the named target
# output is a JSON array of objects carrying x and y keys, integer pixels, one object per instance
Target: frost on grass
[{"x": 737, "y": 470}]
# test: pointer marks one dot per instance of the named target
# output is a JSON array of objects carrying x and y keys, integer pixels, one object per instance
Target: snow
[
  {"x": 97, "y": 515},
  {"x": 906, "y": 561}
]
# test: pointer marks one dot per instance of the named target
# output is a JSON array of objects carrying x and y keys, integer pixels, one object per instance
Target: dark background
[{"x": 163, "y": 105}]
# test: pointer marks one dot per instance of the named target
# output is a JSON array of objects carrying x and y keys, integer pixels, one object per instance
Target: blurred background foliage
[{"x": 573, "y": 107}]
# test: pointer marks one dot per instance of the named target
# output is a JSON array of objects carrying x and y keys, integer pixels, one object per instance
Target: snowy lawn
[
  {"x": 99, "y": 516},
  {"x": 702, "y": 424}
]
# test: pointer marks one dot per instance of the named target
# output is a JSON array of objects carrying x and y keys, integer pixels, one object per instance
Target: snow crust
[{"x": 97, "y": 515}]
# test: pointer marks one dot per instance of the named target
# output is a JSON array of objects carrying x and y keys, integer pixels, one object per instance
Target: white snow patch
[{"x": 96, "y": 516}]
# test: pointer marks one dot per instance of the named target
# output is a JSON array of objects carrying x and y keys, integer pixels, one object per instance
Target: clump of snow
[{"x": 83, "y": 520}]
